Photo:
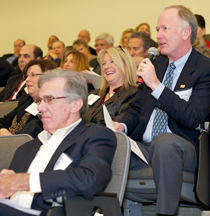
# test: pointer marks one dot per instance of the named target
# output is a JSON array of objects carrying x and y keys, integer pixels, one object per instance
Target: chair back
[
  {"x": 7, "y": 107},
  {"x": 203, "y": 179},
  {"x": 8, "y": 146},
  {"x": 120, "y": 167}
]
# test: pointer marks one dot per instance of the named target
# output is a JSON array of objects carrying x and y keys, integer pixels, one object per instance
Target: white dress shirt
[
  {"x": 147, "y": 136},
  {"x": 50, "y": 143}
]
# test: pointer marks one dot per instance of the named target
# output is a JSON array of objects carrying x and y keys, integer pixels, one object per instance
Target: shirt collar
[
  {"x": 181, "y": 62},
  {"x": 45, "y": 136}
]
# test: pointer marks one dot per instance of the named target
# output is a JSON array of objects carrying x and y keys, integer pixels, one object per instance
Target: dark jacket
[
  {"x": 33, "y": 126},
  {"x": 116, "y": 105}
]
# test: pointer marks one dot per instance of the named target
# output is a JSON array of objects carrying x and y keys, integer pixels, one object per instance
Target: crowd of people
[{"x": 72, "y": 150}]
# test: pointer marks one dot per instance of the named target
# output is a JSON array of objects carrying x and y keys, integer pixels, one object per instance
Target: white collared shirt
[
  {"x": 50, "y": 143},
  {"x": 180, "y": 63}
]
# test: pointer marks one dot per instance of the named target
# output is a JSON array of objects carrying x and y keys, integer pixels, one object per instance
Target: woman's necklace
[{"x": 111, "y": 94}]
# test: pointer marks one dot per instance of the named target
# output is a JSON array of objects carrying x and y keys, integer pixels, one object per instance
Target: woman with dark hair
[{"x": 19, "y": 120}]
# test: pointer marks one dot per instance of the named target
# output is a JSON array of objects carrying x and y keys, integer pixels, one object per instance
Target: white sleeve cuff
[
  {"x": 158, "y": 91},
  {"x": 34, "y": 183},
  {"x": 125, "y": 128}
]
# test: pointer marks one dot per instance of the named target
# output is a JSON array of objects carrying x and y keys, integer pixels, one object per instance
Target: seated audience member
[
  {"x": 124, "y": 38},
  {"x": 169, "y": 107},
  {"x": 138, "y": 45},
  {"x": 15, "y": 86},
  {"x": 58, "y": 47},
  {"x": 36, "y": 173},
  {"x": 144, "y": 27},
  {"x": 201, "y": 31},
  {"x": 118, "y": 86},
  {"x": 201, "y": 47},
  {"x": 85, "y": 36},
  {"x": 6, "y": 71},
  {"x": 13, "y": 57},
  {"x": 75, "y": 61},
  {"x": 19, "y": 120},
  {"x": 51, "y": 40},
  {"x": 83, "y": 48},
  {"x": 102, "y": 41}
]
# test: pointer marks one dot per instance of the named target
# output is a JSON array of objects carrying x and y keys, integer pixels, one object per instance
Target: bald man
[{"x": 85, "y": 36}]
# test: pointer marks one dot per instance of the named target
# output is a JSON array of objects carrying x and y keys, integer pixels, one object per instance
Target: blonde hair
[
  {"x": 80, "y": 61},
  {"x": 124, "y": 62},
  {"x": 130, "y": 30}
]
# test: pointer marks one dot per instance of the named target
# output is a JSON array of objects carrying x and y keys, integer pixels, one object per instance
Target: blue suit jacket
[
  {"x": 91, "y": 149},
  {"x": 184, "y": 116}
]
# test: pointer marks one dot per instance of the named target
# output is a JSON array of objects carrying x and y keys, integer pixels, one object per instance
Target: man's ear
[
  {"x": 186, "y": 32},
  {"x": 76, "y": 105},
  {"x": 203, "y": 31}
]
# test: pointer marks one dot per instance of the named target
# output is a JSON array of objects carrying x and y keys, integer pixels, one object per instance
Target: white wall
[{"x": 36, "y": 20}]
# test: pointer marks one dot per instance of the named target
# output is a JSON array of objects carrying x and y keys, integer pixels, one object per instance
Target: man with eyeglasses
[
  {"x": 102, "y": 41},
  {"x": 68, "y": 158},
  {"x": 15, "y": 85}
]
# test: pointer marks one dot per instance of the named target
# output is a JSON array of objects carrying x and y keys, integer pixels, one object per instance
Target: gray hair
[
  {"x": 146, "y": 40},
  {"x": 107, "y": 37},
  {"x": 75, "y": 87},
  {"x": 187, "y": 18}
]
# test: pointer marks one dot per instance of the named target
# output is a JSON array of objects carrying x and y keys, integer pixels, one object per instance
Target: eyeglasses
[
  {"x": 101, "y": 44},
  {"x": 31, "y": 75},
  {"x": 119, "y": 46},
  {"x": 47, "y": 99},
  {"x": 19, "y": 45}
]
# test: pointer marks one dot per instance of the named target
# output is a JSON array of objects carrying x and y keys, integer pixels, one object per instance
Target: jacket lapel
[
  {"x": 188, "y": 69},
  {"x": 65, "y": 144},
  {"x": 111, "y": 100}
]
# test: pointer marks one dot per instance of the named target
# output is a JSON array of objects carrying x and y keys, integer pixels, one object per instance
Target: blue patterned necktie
[{"x": 160, "y": 122}]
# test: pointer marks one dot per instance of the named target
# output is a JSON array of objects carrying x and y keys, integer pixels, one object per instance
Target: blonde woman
[{"x": 118, "y": 86}]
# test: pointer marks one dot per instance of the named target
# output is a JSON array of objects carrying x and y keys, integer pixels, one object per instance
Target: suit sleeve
[
  {"x": 92, "y": 172},
  {"x": 188, "y": 113},
  {"x": 131, "y": 117}
]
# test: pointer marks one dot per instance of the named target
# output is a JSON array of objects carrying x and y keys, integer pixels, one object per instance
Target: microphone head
[{"x": 152, "y": 51}]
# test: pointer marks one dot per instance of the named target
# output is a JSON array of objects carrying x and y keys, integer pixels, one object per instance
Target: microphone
[{"x": 152, "y": 52}]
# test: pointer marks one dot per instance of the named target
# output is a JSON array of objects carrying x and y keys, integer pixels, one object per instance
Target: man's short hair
[
  {"x": 146, "y": 41},
  {"x": 187, "y": 18},
  {"x": 80, "y": 42},
  {"x": 37, "y": 52},
  {"x": 63, "y": 44},
  {"x": 75, "y": 87},
  {"x": 201, "y": 21},
  {"x": 107, "y": 37}
]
